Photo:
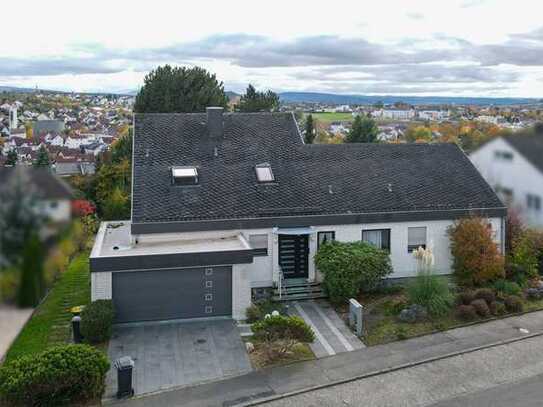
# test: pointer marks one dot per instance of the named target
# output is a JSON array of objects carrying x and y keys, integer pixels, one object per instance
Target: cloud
[{"x": 434, "y": 64}]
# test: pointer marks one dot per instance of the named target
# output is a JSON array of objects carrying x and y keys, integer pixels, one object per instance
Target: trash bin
[{"x": 124, "y": 368}]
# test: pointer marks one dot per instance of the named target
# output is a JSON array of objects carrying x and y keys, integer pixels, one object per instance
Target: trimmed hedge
[
  {"x": 351, "y": 267},
  {"x": 61, "y": 375},
  {"x": 97, "y": 320}
]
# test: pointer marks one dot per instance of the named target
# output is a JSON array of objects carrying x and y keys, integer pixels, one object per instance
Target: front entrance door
[{"x": 294, "y": 255}]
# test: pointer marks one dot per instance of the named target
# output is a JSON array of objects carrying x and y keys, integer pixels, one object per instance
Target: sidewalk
[
  {"x": 12, "y": 320},
  {"x": 344, "y": 366}
]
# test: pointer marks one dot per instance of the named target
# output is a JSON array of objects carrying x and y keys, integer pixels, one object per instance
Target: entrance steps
[{"x": 298, "y": 289}]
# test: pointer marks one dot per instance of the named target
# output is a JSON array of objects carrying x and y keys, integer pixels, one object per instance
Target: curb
[{"x": 389, "y": 370}]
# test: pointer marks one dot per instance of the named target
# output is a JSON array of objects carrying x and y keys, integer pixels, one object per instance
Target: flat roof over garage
[{"x": 115, "y": 249}]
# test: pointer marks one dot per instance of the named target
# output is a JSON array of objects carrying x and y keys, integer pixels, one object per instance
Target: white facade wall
[
  {"x": 57, "y": 210},
  {"x": 518, "y": 175},
  {"x": 241, "y": 291},
  {"x": 265, "y": 269},
  {"x": 101, "y": 286}
]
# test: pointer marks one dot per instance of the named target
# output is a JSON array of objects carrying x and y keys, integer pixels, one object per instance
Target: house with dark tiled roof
[
  {"x": 513, "y": 166},
  {"x": 226, "y": 206}
]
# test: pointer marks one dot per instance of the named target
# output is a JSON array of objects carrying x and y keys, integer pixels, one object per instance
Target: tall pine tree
[
  {"x": 170, "y": 89},
  {"x": 32, "y": 285},
  {"x": 42, "y": 160},
  {"x": 309, "y": 134},
  {"x": 255, "y": 101},
  {"x": 363, "y": 130}
]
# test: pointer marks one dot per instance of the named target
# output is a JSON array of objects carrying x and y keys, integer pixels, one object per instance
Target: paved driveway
[{"x": 176, "y": 354}]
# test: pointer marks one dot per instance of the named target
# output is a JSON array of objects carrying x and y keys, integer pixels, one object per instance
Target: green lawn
[
  {"x": 332, "y": 117},
  {"x": 50, "y": 324}
]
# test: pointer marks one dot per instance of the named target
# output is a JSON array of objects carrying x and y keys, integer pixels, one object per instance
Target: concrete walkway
[
  {"x": 332, "y": 336},
  {"x": 12, "y": 320},
  {"x": 345, "y": 366}
]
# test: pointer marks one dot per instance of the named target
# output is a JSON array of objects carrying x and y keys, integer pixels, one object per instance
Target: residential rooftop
[
  {"x": 309, "y": 180},
  {"x": 114, "y": 240}
]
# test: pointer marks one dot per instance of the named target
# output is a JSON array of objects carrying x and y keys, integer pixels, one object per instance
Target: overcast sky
[{"x": 435, "y": 47}]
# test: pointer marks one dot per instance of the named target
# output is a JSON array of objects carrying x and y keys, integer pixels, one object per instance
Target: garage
[{"x": 149, "y": 295}]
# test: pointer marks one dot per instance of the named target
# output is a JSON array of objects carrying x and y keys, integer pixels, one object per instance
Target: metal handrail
[{"x": 281, "y": 282}]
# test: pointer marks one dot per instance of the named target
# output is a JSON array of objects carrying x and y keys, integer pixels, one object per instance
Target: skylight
[
  {"x": 185, "y": 175},
  {"x": 264, "y": 173}
]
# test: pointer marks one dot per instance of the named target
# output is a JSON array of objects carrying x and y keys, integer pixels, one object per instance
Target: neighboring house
[
  {"x": 229, "y": 205},
  {"x": 513, "y": 166},
  {"x": 46, "y": 125},
  {"x": 65, "y": 167},
  {"x": 54, "y": 195}
]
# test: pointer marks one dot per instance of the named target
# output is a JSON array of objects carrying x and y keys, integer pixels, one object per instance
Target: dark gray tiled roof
[
  {"x": 530, "y": 146},
  {"x": 47, "y": 185},
  {"x": 311, "y": 179}
]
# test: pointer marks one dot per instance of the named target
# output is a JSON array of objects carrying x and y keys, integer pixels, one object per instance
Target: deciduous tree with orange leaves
[{"x": 476, "y": 257}]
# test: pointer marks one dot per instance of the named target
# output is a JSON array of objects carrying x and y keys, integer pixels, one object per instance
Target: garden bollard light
[
  {"x": 76, "y": 329},
  {"x": 124, "y": 368}
]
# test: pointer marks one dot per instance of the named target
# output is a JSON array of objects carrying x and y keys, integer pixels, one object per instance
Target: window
[
  {"x": 416, "y": 237},
  {"x": 506, "y": 194},
  {"x": 533, "y": 202},
  {"x": 380, "y": 238},
  {"x": 53, "y": 205},
  {"x": 259, "y": 243},
  {"x": 503, "y": 155},
  {"x": 325, "y": 237},
  {"x": 264, "y": 173},
  {"x": 184, "y": 175}
]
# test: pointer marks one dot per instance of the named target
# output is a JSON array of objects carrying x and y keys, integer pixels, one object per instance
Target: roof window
[
  {"x": 184, "y": 175},
  {"x": 264, "y": 173}
]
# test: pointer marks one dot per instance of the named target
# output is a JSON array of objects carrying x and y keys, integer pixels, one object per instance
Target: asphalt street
[{"x": 507, "y": 375}]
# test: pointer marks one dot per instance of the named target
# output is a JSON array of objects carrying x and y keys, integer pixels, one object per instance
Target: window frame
[
  {"x": 264, "y": 166},
  {"x": 322, "y": 233},
  {"x": 388, "y": 240},
  {"x": 533, "y": 202},
  {"x": 411, "y": 248},
  {"x": 185, "y": 180},
  {"x": 503, "y": 155}
]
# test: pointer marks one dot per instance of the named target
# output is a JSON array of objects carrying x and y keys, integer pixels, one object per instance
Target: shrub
[
  {"x": 465, "y": 297},
  {"x": 32, "y": 286},
  {"x": 97, "y": 320},
  {"x": 466, "y": 312},
  {"x": 395, "y": 306},
  {"x": 516, "y": 273},
  {"x": 485, "y": 294},
  {"x": 280, "y": 334},
  {"x": 9, "y": 284},
  {"x": 259, "y": 309},
  {"x": 350, "y": 267},
  {"x": 401, "y": 333},
  {"x": 505, "y": 287},
  {"x": 66, "y": 374},
  {"x": 476, "y": 259},
  {"x": 481, "y": 307},
  {"x": 513, "y": 303},
  {"x": 432, "y": 292},
  {"x": 283, "y": 327},
  {"x": 525, "y": 253},
  {"x": 497, "y": 308}
]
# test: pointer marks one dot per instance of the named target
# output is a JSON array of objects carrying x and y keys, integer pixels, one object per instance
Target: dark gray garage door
[{"x": 172, "y": 294}]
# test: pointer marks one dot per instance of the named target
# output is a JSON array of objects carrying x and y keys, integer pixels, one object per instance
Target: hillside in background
[{"x": 330, "y": 98}]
